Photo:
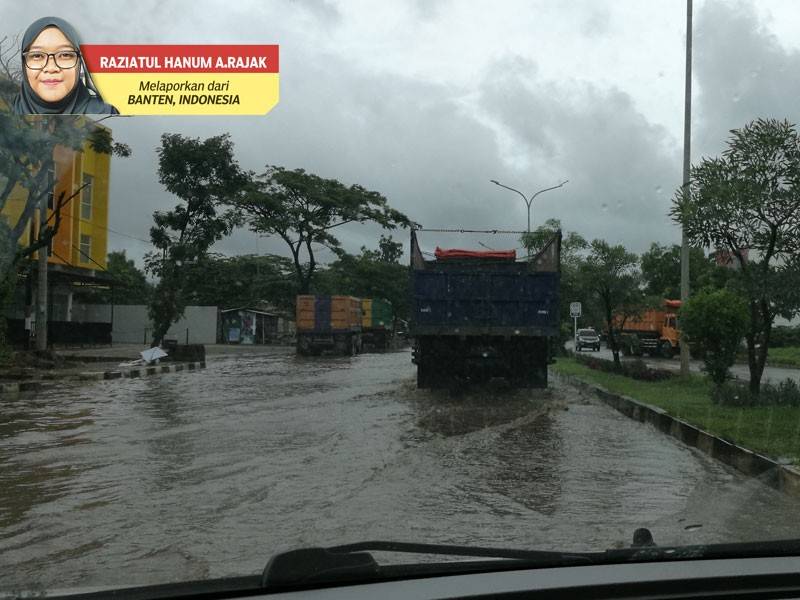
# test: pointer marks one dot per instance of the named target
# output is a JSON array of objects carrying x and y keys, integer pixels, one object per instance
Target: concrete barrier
[
  {"x": 783, "y": 477},
  {"x": 30, "y": 386}
]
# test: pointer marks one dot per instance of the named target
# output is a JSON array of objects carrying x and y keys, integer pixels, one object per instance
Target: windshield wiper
[
  {"x": 350, "y": 562},
  {"x": 355, "y": 562}
]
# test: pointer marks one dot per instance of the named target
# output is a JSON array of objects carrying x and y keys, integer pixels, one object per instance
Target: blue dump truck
[{"x": 480, "y": 315}]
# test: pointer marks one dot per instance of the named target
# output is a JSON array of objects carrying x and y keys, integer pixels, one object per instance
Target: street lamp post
[
  {"x": 529, "y": 201},
  {"x": 687, "y": 138}
]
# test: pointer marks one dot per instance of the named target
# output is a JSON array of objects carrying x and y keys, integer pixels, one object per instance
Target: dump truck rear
[
  {"x": 480, "y": 315},
  {"x": 328, "y": 323},
  {"x": 377, "y": 323}
]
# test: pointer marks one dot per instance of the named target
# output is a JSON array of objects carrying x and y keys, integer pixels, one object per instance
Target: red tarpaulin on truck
[{"x": 442, "y": 254}]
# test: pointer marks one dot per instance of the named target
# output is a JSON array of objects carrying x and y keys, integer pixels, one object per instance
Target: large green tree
[
  {"x": 130, "y": 285},
  {"x": 661, "y": 270},
  {"x": 247, "y": 280},
  {"x": 304, "y": 210},
  {"x": 573, "y": 249},
  {"x": 205, "y": 177},
  {"x": 747, "y": 203},
  {"x": 609, "y": 279},
  {"x": 715, "y": 321}
]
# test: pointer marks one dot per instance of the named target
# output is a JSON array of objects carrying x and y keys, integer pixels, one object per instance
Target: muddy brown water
[{"x": 207, "y": 474}]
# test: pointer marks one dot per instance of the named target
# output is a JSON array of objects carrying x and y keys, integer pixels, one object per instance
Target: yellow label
[{"x": 189, "y": 93}]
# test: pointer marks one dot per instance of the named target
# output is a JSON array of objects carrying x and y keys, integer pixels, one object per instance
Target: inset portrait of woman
[{"x": 55, "y": 79}]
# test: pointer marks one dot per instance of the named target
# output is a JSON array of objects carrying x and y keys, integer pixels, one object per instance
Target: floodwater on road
[{"x": 206, "y": 474}]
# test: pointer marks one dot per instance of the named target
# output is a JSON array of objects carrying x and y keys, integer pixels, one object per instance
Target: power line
[
  {"x": 92, "y": 223},
  {"x": 492, "y": 231},
  {"x": 87, "y": 256}
]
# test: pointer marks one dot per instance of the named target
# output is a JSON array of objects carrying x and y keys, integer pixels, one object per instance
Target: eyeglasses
[{"x": 64, "y": 59}]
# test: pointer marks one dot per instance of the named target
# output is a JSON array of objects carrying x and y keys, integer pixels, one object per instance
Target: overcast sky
[{"x": 426, "y": 101}]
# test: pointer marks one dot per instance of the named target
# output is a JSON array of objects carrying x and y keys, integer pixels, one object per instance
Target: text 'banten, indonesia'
[{"x": 183, "y": 62}]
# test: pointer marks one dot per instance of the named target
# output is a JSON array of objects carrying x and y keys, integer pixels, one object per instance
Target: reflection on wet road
[{"x": 190, "y": 475}]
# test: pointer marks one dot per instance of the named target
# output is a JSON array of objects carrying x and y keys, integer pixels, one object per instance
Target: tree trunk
[
  {"x": 763, "y": 349},
  {"x": 612, "y": 341},
  {"x": 757, "y": 341}
]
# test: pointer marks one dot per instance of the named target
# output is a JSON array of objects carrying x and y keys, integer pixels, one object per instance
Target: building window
[
  {"x": 86, "y": 197},
  {"x": 86, "y": 248}
]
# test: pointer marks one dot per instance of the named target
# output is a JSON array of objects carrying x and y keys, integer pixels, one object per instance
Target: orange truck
[
  {"x": 654, "y": 332},
  {"x": 328, "y": 323}
]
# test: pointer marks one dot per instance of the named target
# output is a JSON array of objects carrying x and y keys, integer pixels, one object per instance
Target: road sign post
[{"x": 575, "y": 312}]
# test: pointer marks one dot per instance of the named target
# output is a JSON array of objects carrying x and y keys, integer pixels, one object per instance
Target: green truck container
[{"x": 377, "y": 322}]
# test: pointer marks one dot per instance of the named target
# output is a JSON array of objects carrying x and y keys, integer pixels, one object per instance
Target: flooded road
[{"x": 193, "y": 475}]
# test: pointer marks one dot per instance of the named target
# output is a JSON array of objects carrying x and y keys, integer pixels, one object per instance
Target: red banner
[{"x": 181, "y": 58}]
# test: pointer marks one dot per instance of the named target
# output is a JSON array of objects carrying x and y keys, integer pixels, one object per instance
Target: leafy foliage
[
  {"x": 747, "y": 202},
  {"x": 303, "y": 209},
  {"x": 242, "y": 281},
  {"x": 661, "y": 270},
  {"x": 785, "y": 336},
  {"x": 635, "y": 369},
  {"x": 204, "y": 175},
  {"x": 573, "y": 246},
  {"x": 130, "y": 287},
  {"x": 715, "y": 321},
  {"x": 609, "y": 279},
  {"x": 785, "y": 393}
]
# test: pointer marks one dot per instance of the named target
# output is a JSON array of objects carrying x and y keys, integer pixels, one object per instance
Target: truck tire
[
  {"x": 351, "y": 346},
  {"x": 425, "y": 365},
  {"x": 667, "y": 351},
  {"x": 528, "y": 360}
]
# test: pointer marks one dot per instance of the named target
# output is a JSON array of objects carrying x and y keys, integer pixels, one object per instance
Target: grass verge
[
  {"x": 777, "y": 357},
  {"x": 770, "y": 430},
  {"x": 787, "y": 357}
]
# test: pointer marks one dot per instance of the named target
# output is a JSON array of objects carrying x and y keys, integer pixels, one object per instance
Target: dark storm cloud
[
  {"x": 431, "y": 148},
  {"x": 742, "y": 73},
  {"x": 406, "y": 139},
  {"x": 620, "y": 166}
]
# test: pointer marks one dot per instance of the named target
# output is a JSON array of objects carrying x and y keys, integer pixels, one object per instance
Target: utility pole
[
  {"x": 687, "y": 136},
  {"x": 41, "y": 288},
  {"x": 29, "y": 295}
]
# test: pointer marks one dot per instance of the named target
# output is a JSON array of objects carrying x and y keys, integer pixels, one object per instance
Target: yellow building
[
  {"x": 76, "y": 257},
  {"x": 82, "y": 238}
]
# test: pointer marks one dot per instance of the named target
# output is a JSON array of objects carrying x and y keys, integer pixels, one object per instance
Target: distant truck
[
  {"x": 332, "y": 323},
  {"x": 479, "y": 315},
  {"x": 654, "y": 332},
  {"x": 377, "y": 323}
]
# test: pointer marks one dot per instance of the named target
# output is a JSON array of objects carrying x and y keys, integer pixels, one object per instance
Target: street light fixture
[{"x": 529, "y": 201}]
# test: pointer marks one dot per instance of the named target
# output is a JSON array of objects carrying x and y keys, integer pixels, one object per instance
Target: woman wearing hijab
[{"x": 56, "y": 80}]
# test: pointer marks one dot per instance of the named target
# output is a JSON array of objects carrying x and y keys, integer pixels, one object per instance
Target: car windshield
[{"x": 338, "y": 287}]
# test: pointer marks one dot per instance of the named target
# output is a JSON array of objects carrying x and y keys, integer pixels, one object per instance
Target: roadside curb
[
  {"x": 37, "y": 385},
  {"x": 782, "y": 477}
]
